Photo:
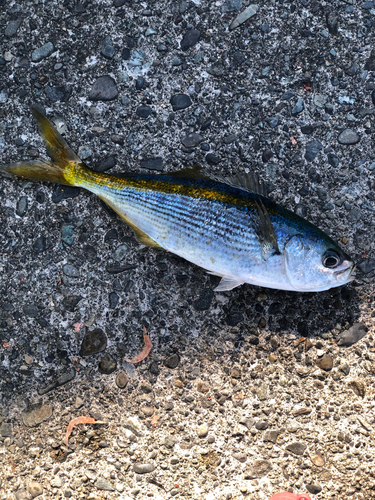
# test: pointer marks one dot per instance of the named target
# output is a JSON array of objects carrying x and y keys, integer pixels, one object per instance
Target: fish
[
  {"x": 229, "y": 227},
  {"x": 290, "y": 496}
]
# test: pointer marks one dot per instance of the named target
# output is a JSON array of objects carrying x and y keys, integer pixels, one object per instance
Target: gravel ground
[{"x": 245, "y": 393}]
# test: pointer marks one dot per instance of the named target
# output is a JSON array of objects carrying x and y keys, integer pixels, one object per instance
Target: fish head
[
  {"x": 290, "y": 496},
  {"x": 314, "y": 263}
]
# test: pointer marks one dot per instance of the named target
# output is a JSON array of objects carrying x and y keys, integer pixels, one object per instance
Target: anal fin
[
  {"x": 141, "y": 236},
  {"x": 228, "y": 283}
]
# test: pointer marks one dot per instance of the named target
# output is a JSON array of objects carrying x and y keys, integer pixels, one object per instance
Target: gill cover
[{"x": 296, "y": 255}]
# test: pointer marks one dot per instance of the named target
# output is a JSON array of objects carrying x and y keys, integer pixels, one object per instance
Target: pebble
[
  {"x": 180, "y": 101},
  {"x": 64, "y": 378},
  {"x": 312, "y": 150},
  {"x": 212, "y": 159},
  {"x": 152, "y": 164},
  {"x": 70, "y": 302},
  {"x": 122, "y": 380},
  {"x": 259, "y": 469},
  {"x": 296, "y": 448},
  {"x": 35, "y": 414},
  {"x": 42, "y": 52},
  {"x": 241, "y": 457},
  {"x": 292, "y": 426},
  {"x": 204, "y": 300},
  {"x": 105, "y": 164},
  {"x": 12, "y": 27},
  {"x": 67, "y": 234},
  {"x": 144, "y": 111},
  {"x": 317, "y": 459},
  {"x": 113, "y": 299},
  {"x": 120, "y": 253},
  {"x": 216, "y": 69},
  {"x": 143, "y": 468},
  {"x": 320, "y": 100},
  {"x": 21, "y": 208},
  {"x": 202, "y": 431},
  {"x": 299, "y": 107},
  {"x": 262, "y": 392},
  {"x": 108, "y": 50},
  {"x": 61, "y": 193},
  {"x": 354, "y": 334},
  {"x": 325, "y": 362},
  {"x": 70, "y": 271},
  {"x": 35, "y": 489},
  {"x": 6, "y": 430},
  {"x": 172, "y": 361},
  {"x": 191, "y": 140},
  {"x": 104, "y": 89},
  {"x": 348, "y": 137},
  {"x": 21, "y": 494},
  {"x": 58, "y": 94},
  {"x": 313, "y": 488},
  {"x": 190, "y": 38},
  {"x": 244, "y": 16},
  {"x": 271, "y": 435},
  {"x": 103, "y": 484},
  {"x": 4, "y": 95},
  {"x": 139, "y": 83},
  {"x": 358, "y": 387},
  {"x": 333, "y": 160},
  {"x": 107, "y": 365},
  {"x": 30, "y": 310},
  {"x": 366, "y": 265},
  {"x": 93, "y": 342}
]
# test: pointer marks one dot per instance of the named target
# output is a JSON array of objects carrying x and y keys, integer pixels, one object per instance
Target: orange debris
[{"x": 79, "y": 420}]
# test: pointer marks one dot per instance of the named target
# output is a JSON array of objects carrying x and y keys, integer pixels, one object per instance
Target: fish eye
[{"x": 331, "y": 259}]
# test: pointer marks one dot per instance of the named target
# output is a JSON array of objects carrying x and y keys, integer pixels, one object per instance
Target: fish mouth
[{"x": 349, "y": 273}]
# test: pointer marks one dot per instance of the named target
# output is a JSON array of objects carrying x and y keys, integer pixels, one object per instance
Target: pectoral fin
[
  {"x": 141, "y": 236},
  {"x": 266, "y": 232},
  {"x": 228, "y": 283}
]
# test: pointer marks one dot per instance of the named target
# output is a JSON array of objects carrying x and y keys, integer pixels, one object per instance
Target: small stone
[
  {"x": 113, "y": 300},
  {"x": 143, "y": 468},
  {"x": 313, "y": 488},
  {"x": 261, "y": 425},
  {"x": 244, "y": 16},
  {"x": 312, "y": 150},
  {"x": 202, "y": 431},
  {"x": 139, "y": 83},
  {"x": 299, "y": 107},
  {"x": 12, "y": 27},
  {"x": 216, "y": 69},
  {"x": 6, "y": 430},
  {"x": 35, "y": 414},
  {"x": 262, "y": 392},
  {"x": 70, "y": 271},
  {"x": 296, "y": 448},
  {"x": 93, "y": 342},
  {"x": 67, "y": 234},
  {"x": 204, "y": 300},
  {"x": 64, "y": 192},
  {"x": 180, "y": 101},
  {"x": 104, "y": 89},
  {"x": 58, "y": 94},
  {"x": 105, "y": 164},
  {"x": 325, "y": 362},
  {"x": 212, "y": 159},
  {"x": 30, "y": 310},
  {"x": 259, "y": 469},
  {"x": 121, "y": 379},
  {"x": 35, "y": 489},
  {"x": 107, "y": 365},
  {"x": 70, "y": 302},
  {"x": 103, "y": 484},
  {"x": 143, "y": 111},
  {"x": 320, "y": 100},
  {"x": 354, "y": 334},
  {"x": 42, "y": 52},
  {"x": 271, "y": 435},
  {"x": 352, "y": 70},
  {"x": 84, "y": 152},
  {"x": 190, "y": 38},
  {"x": 292, "y": 426},
  {"x": 317, "y": 459},
  {"x": 367, "y": 265},
  {"x": 21, "y": 208},
  {"x": 40, "y": 244},
  {"x": 108, "y": 50},
  {"x": 191, "y": 140},
  {"x": 241, "y": 457},
  {"x": 348, "y": 137},
  {"x": 56, "y": 482},
  {"x": 152, "y": 164},
  {"x": 358, "y": 387},
  {"x": 333, "y": 160},
  {"x": 172, "y": 361}
]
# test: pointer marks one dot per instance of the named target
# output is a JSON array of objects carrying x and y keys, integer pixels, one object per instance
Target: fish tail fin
[{"x": 64, "y": 160}]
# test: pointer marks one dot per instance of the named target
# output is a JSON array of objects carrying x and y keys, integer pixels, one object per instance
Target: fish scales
[{"x": 229, "y": 230}]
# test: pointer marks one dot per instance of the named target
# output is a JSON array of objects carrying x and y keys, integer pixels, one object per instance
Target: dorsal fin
[
  {"x": 194, "y": 172},
  {"x": 248, "y": 182}
]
